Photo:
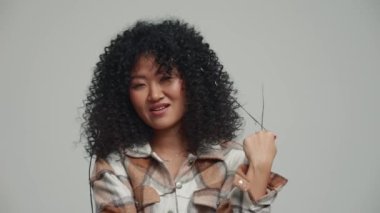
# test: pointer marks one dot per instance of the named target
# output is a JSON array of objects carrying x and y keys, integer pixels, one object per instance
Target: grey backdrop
[{"x": 319, "y": 62}]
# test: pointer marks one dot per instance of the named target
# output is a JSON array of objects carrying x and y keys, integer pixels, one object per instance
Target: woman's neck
[
  {"x": 171, "y": 147},
  {"x": 169, "y": 141}
]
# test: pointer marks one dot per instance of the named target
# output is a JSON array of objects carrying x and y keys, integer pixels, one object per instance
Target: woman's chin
[{"x": 164, "y": 126}]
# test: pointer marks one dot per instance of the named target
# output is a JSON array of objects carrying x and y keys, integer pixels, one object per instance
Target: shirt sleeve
[
  {"x": 237, "y": 198},
  {"x": 111, "y": 188}
]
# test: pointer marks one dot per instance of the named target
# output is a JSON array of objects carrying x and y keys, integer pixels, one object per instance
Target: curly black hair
[{"x": 110, "y": 121}]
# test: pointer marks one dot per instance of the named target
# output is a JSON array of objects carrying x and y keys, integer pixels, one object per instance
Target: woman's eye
[
  {"x": 166, "y": 78},
  {"x": 137, "y": 86}
]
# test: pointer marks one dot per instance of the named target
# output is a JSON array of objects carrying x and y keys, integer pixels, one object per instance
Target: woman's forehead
[{"x": 147, "y": 64}]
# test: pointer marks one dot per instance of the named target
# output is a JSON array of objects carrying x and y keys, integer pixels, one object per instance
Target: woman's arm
[
  {"x": 111, "y": 187},
  {"x": 260, "y": 150},
  {"x": 251, "y": 186}
]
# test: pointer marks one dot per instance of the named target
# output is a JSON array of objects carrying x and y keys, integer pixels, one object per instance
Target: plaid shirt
[{"x": 138, "y": 181}]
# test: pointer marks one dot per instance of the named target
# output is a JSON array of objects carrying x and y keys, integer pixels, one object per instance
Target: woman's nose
[{"x": 155, "y": 93}]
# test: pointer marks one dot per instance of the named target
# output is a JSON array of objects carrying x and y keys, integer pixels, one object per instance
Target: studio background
[{"x": 319, "y": 63}]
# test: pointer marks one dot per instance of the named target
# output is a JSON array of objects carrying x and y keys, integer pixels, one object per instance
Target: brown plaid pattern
[{"x": 138, "y": 181}]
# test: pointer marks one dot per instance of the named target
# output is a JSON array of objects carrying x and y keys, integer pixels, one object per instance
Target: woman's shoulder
[
  {"x": 234, "y": 154},
  {"x": 113, "y": 164},
  {"x": 230, "y": 152}
]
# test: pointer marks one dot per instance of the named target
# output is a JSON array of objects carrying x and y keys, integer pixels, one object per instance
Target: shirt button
[{"x": 178, "y": 185}]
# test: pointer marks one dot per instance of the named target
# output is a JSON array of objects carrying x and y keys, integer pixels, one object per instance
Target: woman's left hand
[{"x": 260, "y": 150}]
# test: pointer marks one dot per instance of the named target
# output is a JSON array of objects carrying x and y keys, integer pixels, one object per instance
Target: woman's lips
[{"x": 158, "y": 109}]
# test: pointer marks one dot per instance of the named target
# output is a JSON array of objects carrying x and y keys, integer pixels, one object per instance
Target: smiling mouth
[{"x": 159, "y": 108}]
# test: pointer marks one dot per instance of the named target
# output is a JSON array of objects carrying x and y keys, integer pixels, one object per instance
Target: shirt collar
[
  {"x": 139, "y": 151},
  {"x": 215, "y": 153}
]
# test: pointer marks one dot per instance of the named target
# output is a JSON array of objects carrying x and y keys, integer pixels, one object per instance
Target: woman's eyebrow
[{"x": 138, "y": 76}]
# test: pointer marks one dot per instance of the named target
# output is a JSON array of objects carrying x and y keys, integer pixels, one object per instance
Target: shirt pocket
[
  {"x": 206, "y": 199},
  {"x": 145, "y": 196}
]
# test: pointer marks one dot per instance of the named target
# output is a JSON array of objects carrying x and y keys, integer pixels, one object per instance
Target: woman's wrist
[
  {"x": 261, "y": 167},
  {"x": 258, "y": 177}
]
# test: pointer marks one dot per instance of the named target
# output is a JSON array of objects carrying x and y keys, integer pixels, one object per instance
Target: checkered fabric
[{"x": 138, "y": 181}]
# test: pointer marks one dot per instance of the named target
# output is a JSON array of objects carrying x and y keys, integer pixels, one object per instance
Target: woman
[{"x": 160, "y": 116}]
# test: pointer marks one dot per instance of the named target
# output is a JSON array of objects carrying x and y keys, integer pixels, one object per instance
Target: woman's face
[{"x": 157, "y": 97}]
